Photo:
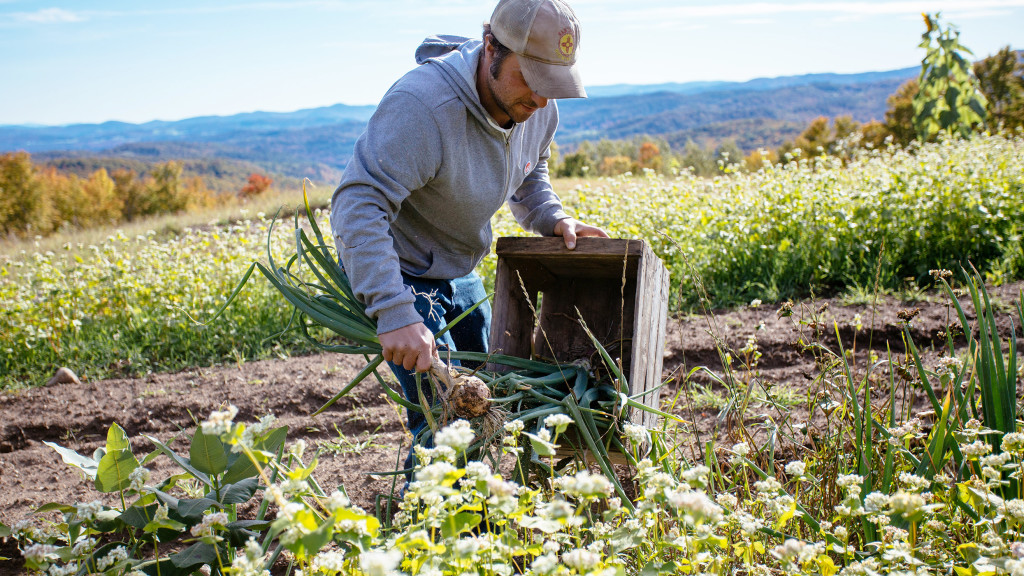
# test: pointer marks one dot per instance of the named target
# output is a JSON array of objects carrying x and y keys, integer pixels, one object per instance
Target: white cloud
[
  {"x": 863, "y": 8},
  {"x": 47, "y": 16}
]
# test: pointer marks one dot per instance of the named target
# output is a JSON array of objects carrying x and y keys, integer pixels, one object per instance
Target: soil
[{"x": 364, "y": 434}]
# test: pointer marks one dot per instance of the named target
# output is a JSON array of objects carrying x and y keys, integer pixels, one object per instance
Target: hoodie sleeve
[
  {"x": 535, "y": 205},
  {"x": 399, "y": 152}
]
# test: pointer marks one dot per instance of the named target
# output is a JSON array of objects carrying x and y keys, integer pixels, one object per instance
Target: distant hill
[
  {"x": 751, "y": 85},
  {"x": 317, "y": 142}
]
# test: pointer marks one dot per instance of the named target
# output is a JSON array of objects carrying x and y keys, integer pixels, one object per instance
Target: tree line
[
  {"x": 959, "y": 98},
  {"x": 37, "y": 200}
]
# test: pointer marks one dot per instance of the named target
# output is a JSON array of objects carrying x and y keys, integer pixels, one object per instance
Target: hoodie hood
[{"x": 457, "y": 57}]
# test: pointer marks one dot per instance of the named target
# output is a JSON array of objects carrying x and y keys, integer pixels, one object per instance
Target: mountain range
[{"x": 317, "y": 142}]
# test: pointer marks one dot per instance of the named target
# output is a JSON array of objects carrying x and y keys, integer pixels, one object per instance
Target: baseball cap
[{"x": 545, "y": 34}]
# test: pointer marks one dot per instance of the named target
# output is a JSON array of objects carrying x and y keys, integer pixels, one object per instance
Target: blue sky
[{"x": 136, "y": 60}]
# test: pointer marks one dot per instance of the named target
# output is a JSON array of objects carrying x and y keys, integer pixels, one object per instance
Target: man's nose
[{"x": 539, "y": 100}]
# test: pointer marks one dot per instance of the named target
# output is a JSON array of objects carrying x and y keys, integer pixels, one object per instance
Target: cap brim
[{"x": 552, "y": 80}]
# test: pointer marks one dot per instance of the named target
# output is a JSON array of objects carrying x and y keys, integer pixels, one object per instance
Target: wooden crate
[{"x": 620, "y": 289}]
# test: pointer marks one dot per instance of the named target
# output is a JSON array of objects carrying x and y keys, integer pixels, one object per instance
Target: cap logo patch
[{"x": 566, "y": 44}]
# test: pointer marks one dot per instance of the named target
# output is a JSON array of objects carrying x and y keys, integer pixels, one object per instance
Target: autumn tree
[
  {"x": 899, "y": 118},
  {"x": 25, "y": 206},
  {"x": 1001, "y": 79},
  {"x": 256, "y": 185}
]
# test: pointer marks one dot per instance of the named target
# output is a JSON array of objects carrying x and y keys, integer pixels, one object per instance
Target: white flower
[
  {"x": 906, "y": 503},
  {"x": 755, "y": 302},
  {"x": 695, "y": 505},
  {"x": 796, "y": 468},
  {"x": 458, "y": 436},
  {"x": 514, "y": 427},
  {"x": 434, "y": 473},
  {"x": 580, "y": 560},
  {"x": 336, "y": 501},
  {"x": 328, "y": 561},
  {"x": 914, "y": 482},
  {"x": 975, "y": 449},
  {"x": 379, "y": 562},
  {"x": 847, "y": 480},
  {"x": 1013, "y": 509},
  {"x": 584, "y": 484},
  {"x": 545, "y": 564},
  {"x": 206, "y": 529},
  {"x": 118, "y": 554},
  {"x": 87, "y": 511},
  {"x": 477, "y": 470},
  {"x": 39, "y": 553},
  {"x": 250, "y": 562},
  {"x": 137, "y": 478},
  {"x": 66, "y": 570},
  {"x": 297, "y": 449},
  {"x": 726, "y": 500},
  {"x": 220, "y": 421},
  {"x": 875, "y": 502},
  {"x": 558, "y": 422},
  {"x": 1013, "y": 443},
  {"x": 696, "y": 476}
]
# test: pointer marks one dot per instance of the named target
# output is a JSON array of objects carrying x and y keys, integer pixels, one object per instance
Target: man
[{"x": 451, "y": 141}]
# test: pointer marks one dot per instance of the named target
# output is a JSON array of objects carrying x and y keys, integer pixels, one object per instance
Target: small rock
[{"x": 64, "y": 376}]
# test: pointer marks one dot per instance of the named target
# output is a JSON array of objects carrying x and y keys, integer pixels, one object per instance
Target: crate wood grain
[{"x": 618, "y": 287}]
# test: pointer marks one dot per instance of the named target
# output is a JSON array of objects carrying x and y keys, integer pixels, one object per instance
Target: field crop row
[{"x": 123, "y": 305}]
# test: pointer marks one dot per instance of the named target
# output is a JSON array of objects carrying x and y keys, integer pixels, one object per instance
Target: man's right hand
[{"x": 411, "y": 346}]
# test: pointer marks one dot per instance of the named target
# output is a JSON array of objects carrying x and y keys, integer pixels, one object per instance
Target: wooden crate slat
[{"x": 627, "y": 318}]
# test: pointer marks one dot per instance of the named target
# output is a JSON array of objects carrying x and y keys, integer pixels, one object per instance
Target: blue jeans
[{"x": 439, "y": 302}]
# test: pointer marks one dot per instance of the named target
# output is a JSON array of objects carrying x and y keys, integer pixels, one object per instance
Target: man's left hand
[{"x": 570, "y": 229}]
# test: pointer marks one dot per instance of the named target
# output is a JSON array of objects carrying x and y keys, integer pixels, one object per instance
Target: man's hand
[
  {"x": 411, "y": 346},
  {"x": 570, "y": 229}
]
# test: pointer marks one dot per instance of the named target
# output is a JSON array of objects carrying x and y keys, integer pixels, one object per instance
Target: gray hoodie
[{"x": 426, "y": 177}]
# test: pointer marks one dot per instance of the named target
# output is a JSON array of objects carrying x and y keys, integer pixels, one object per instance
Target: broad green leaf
[
  {"x": 195, "y": 555},
  {"x": 70, "y": 457},
  {"x": 207, "y": 453},
  {"x": 5, "y": 530},
  {"x": 459, "y": 524},
  {"x": 239, "y": 492},
  {"x": 193, "y": 508},
  {"x": 51, "y": 506},
  {"x": 117, "y": 439},
  {"x": 113, "y": 471}
]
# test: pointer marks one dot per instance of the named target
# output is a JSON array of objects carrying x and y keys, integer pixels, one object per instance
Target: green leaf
[
  {"x": 258, "y": 525},
  {"x": 195, "y": 555},
  {"x": 114, "y": 468},
  {"x": 117, "y": 439},
  {"x": 540, "y": 446},
  {"x": 239, "y": 492},
  {"x": 87, "y": 465},
  {"x": 207, "y": 453},
  {"x": 5, "y": 530},
  {"x": 193, "y": 508},
  {"x": 51, "y": 506},
  {"x": 243, "y": 468},
  {"x": 183, "y": 462},
  {"x": 164, "y": 567},
  {"x": 460, "y": 524},
  {"x": 317, "y": 539}
]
